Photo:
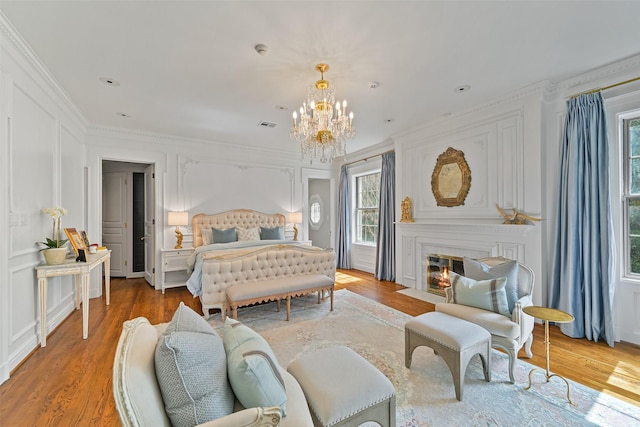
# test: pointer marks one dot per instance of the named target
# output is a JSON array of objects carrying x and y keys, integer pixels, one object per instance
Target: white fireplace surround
[{"x": 416, "y": 241}]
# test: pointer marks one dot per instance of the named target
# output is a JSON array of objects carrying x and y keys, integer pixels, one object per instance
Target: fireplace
[{"x": 438, "y": 269}]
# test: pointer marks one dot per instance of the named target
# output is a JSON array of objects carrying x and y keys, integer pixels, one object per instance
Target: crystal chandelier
[{"x": 324, "y": 127}]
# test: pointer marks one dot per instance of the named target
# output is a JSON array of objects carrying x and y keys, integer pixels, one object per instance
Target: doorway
[
  {"x": 127, "y": 218},
  {"x": 319, "y": 213}
]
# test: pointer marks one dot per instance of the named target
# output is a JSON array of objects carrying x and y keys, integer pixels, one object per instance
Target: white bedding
[{"x": 194, "y": 262}]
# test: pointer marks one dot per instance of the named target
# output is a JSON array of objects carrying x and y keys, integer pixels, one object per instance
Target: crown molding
[
  {"x": 15, "y": 39},
  {"x": 154, "y": 138},
  {"x": 600, "y": 76},
  {"x": 536, "y": 89}
]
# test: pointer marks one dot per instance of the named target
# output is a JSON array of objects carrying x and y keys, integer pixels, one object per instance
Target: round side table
[{"x": 549, "y": 315}]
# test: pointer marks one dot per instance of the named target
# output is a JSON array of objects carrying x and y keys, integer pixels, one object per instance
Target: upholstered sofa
[{"x": 139, "y": 399}]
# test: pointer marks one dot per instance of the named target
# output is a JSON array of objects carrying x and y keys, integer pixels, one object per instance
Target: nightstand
[{"x": 174, "y": 267}]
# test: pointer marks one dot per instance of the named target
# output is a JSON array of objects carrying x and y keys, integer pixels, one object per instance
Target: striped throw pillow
[{"x": 485, "y": 294}]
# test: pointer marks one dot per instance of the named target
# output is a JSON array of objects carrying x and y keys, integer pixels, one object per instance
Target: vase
[{"x": 55, "y": 256}]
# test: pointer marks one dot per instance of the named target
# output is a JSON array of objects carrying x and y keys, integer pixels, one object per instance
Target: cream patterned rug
[{"x": 424, "y": 394}]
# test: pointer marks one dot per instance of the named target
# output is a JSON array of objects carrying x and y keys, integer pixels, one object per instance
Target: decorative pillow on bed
[
  {"x": 275, "y": 233},
  {"x": 252, "y": 367},
  {"x": 191, "y": 368},
  {"x": 207, "y": 236},
  {"x": 224, "y": 236},
  {"x": 485, "y": 294},
  {"x": 248, "y": 233},
  {"x": 480, "y": 271}
]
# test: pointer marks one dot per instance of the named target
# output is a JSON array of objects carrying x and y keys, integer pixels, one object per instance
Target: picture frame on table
[
  {"x": 76, "y": 240},
  {"x": 85, "y": 238}
]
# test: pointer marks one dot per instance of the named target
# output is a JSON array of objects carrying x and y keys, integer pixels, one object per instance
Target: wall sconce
[
  {"x": 178, "y": 219},
  {"x": 295, "y": 218}
]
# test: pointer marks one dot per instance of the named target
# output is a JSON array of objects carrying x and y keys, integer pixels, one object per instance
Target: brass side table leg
[{"x": 547, "y": 374}]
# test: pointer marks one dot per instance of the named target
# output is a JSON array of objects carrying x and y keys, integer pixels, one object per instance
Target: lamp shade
[
  {"x": 178, "y": 218},
  {"x": 295, "y": 217}
]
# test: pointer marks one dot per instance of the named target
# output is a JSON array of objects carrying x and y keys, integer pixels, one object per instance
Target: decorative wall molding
[
  {"x": 210, "y": 145},
  {"x": 22, "y": 47}
]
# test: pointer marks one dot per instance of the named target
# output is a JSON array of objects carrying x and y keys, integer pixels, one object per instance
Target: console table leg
[{"x": 42, "y": 285}]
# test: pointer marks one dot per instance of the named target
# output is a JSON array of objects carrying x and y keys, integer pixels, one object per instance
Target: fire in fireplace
[{"x": 438, "y": 268}]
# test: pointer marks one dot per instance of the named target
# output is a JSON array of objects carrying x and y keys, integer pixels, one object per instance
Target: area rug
[{"x": 425, "y": 394}]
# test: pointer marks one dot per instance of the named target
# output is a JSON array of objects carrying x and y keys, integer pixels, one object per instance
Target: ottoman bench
[
  {"x": 344, "y": 389},
  {"x": 454, "y": 339}
]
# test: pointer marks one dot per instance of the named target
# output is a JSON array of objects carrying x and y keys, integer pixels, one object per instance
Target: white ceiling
[{"x": 189, "y": 68}]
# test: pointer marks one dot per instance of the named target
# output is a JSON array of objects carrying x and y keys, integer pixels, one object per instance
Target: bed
[{"x": 277, "y": 254}]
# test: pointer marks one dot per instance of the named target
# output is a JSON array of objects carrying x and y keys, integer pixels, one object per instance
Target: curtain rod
[
  {"x": 606, "y": 87},
  {"x": 368, "y": 158}
]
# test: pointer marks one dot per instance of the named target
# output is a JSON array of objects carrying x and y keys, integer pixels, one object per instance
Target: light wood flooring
[{"x": 68, "y": 383}]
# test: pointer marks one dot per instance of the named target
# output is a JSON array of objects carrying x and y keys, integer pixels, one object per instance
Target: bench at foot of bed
[{"x": 281, "y": 288}]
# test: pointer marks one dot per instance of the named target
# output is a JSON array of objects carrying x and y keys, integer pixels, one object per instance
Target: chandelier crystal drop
[{"x": 322, "y": 126}]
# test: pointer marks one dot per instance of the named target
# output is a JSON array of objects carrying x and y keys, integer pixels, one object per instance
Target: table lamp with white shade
[
  {"x": 295, "y": 218},
  {"x": 178, "y": 219}
]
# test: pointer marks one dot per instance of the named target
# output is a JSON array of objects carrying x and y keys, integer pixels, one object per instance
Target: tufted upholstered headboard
[{"x": 244, "y": 218}]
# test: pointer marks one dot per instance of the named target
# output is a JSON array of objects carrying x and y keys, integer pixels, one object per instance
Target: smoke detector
[{"x": 262, "y": 49}]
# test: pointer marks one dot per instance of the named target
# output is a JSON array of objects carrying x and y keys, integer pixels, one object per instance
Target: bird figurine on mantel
[{"x": 516, "y": 217}]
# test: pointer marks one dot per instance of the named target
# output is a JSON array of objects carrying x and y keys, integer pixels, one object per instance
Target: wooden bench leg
[
  {"x": 288, "y": 307},
  {"x": 278, "y": 305},
  {"x": 235, "y": 312},
  {"x": 331, "y": 292}
]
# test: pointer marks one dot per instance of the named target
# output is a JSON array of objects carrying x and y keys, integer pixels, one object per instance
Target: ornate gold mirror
[{"x": 451, "y": 178}]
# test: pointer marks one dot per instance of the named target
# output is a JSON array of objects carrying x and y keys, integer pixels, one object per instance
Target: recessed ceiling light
[
  {"x": 389, "y": 120},
  {"x": 463, "y": 88},
  {"x": 281, "y": 108},
  {"x": 109, "y": 82},
  {"x": 374, "y": 85},
  {"x": 123, "y": 115}
]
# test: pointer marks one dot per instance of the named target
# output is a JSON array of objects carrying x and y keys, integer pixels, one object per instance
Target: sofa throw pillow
[
  {"x": 252, "y": 368},
  {"x": 224, "y": 236},
  {"x": 275, "y": 233},
  {"x": 480, "y": 271},
  {"x": 207, "y": 236},
  {"x": 486, "y": 294},
  {"x": 248, "y": 233},
  {"x": 191, "y": 368}
]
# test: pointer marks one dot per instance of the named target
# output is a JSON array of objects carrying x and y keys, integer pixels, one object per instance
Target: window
[
  {"x": 316, "y": 212},
  {"x": 632, "y": 194},
  {"x": 367, "y": 200}
]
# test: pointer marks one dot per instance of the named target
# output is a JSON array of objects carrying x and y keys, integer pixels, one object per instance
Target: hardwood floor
[{"x": 68, "y": 383}]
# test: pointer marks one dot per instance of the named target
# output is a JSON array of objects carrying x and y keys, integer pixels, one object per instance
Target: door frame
[
  {"x": 308, "y": 174},
  {"x": 96, "y": 155}
]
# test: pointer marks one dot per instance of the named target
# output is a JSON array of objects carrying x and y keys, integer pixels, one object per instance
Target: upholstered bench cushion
[
  {"x": 495, "y": 323},
  {"x": 338, "y": 383},
  {"x": 259, "y": 289},
  {"x": 454, "y": 333}
]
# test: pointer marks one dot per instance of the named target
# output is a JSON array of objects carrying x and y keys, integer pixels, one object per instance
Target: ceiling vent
[{"x": 266, "y": 124}]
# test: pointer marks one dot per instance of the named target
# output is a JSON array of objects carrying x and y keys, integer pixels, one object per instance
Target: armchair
[
  {"x": 509, "y": 334},
  {"x": 139, "y": 401}
]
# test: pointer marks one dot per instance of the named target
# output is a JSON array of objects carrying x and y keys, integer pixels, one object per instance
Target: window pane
[
  {"x": 634, "y": 235},
  {"x": 315, "y": 212},
  {"x": 368, "y": 195},
  {"x": 634, "y": 137}
]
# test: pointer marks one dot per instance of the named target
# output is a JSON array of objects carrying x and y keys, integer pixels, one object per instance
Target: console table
[{"x": 81, "y": 271}]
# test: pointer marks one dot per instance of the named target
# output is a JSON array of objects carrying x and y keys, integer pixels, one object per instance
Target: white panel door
[
  {"x": 149, "y": 225},
  {"x": 114, "y": 220}
]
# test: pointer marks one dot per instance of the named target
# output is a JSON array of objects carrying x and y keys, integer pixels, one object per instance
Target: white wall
[
  {"x": 42, "y": 136},
  {"x": 501, "y": 145}
]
